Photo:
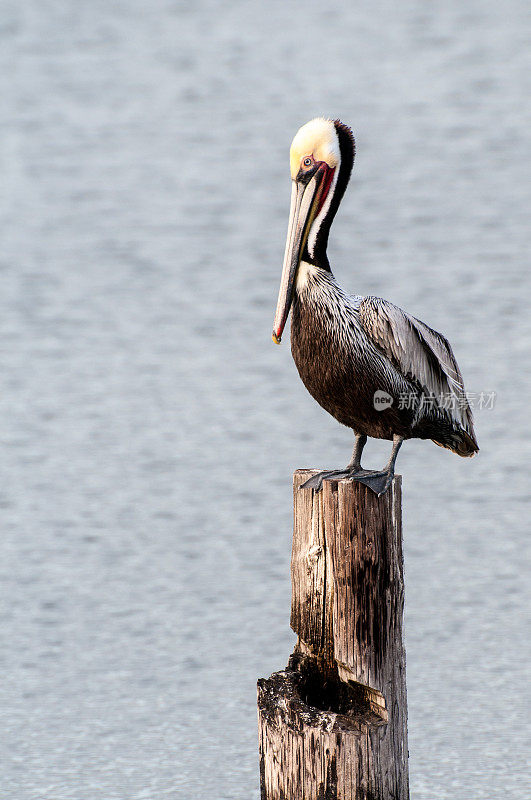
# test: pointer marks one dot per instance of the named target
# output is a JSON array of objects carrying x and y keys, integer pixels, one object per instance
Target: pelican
[{"x": 375, "y": 368}]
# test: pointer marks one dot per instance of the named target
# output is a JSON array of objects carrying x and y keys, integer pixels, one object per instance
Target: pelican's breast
[{"x": 337, "y": 363}]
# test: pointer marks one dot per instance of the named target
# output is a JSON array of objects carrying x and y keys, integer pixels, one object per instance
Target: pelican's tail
[{"x": 461, "y": 442}]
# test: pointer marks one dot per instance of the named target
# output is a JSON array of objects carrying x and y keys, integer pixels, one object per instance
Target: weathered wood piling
[{"x": 333, "y": 724}]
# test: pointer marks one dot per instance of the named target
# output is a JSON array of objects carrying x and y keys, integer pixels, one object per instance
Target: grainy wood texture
[{"x": 333, "y": 724}]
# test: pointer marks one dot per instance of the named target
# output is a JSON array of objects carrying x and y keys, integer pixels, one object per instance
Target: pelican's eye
[{"x": 307, "y": 162}]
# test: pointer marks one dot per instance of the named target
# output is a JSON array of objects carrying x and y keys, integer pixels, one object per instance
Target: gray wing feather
[{"x": 418, "y": 351}]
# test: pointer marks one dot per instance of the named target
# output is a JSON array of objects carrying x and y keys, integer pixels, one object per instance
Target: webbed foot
[
  {"x": 316, "y": 481},
  {"x": 378, "y": 481}
]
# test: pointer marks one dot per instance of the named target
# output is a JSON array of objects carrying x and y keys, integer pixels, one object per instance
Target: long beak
[{"x": 304, "y": 204}]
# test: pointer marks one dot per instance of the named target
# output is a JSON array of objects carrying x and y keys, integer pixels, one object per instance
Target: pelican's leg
[
  {"x": 380, "y": 481},
  {"x": 354, "y": 466},
  {"x": 355, "y": 461}
]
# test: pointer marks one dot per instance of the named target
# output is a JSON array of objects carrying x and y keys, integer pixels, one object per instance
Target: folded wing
[{"x": 421, "y": 354}]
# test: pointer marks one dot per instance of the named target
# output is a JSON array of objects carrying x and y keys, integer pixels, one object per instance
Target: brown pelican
[{"x": 372, "y": 366}]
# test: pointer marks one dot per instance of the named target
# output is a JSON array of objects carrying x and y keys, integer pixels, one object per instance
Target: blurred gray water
[{"x": 149, "y": 427}]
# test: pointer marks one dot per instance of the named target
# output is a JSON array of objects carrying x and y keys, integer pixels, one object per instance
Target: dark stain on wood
[
  {"x": 318, "y": 684},
  {"x": 328, "y": 789}
]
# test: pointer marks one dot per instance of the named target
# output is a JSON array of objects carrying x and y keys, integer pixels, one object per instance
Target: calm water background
[{"x": 150, "y": 428}]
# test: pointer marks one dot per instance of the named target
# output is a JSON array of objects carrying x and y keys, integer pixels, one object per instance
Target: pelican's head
[
  {"x": 321, "y": 158},
  {"x": 317, "y": 141}
]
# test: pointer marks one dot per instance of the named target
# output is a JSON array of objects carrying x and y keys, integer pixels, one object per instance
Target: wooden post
[{"x": 333, "y": 724}]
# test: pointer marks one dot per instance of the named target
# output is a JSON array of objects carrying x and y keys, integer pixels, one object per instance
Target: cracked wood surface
[{"x": 333, "y": 725}]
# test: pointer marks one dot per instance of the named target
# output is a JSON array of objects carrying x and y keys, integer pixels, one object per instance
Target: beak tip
[{"x": 276, "y": 338}]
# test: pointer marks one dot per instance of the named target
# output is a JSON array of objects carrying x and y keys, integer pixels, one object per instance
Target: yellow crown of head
[{"x": 318, "y": 138}]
